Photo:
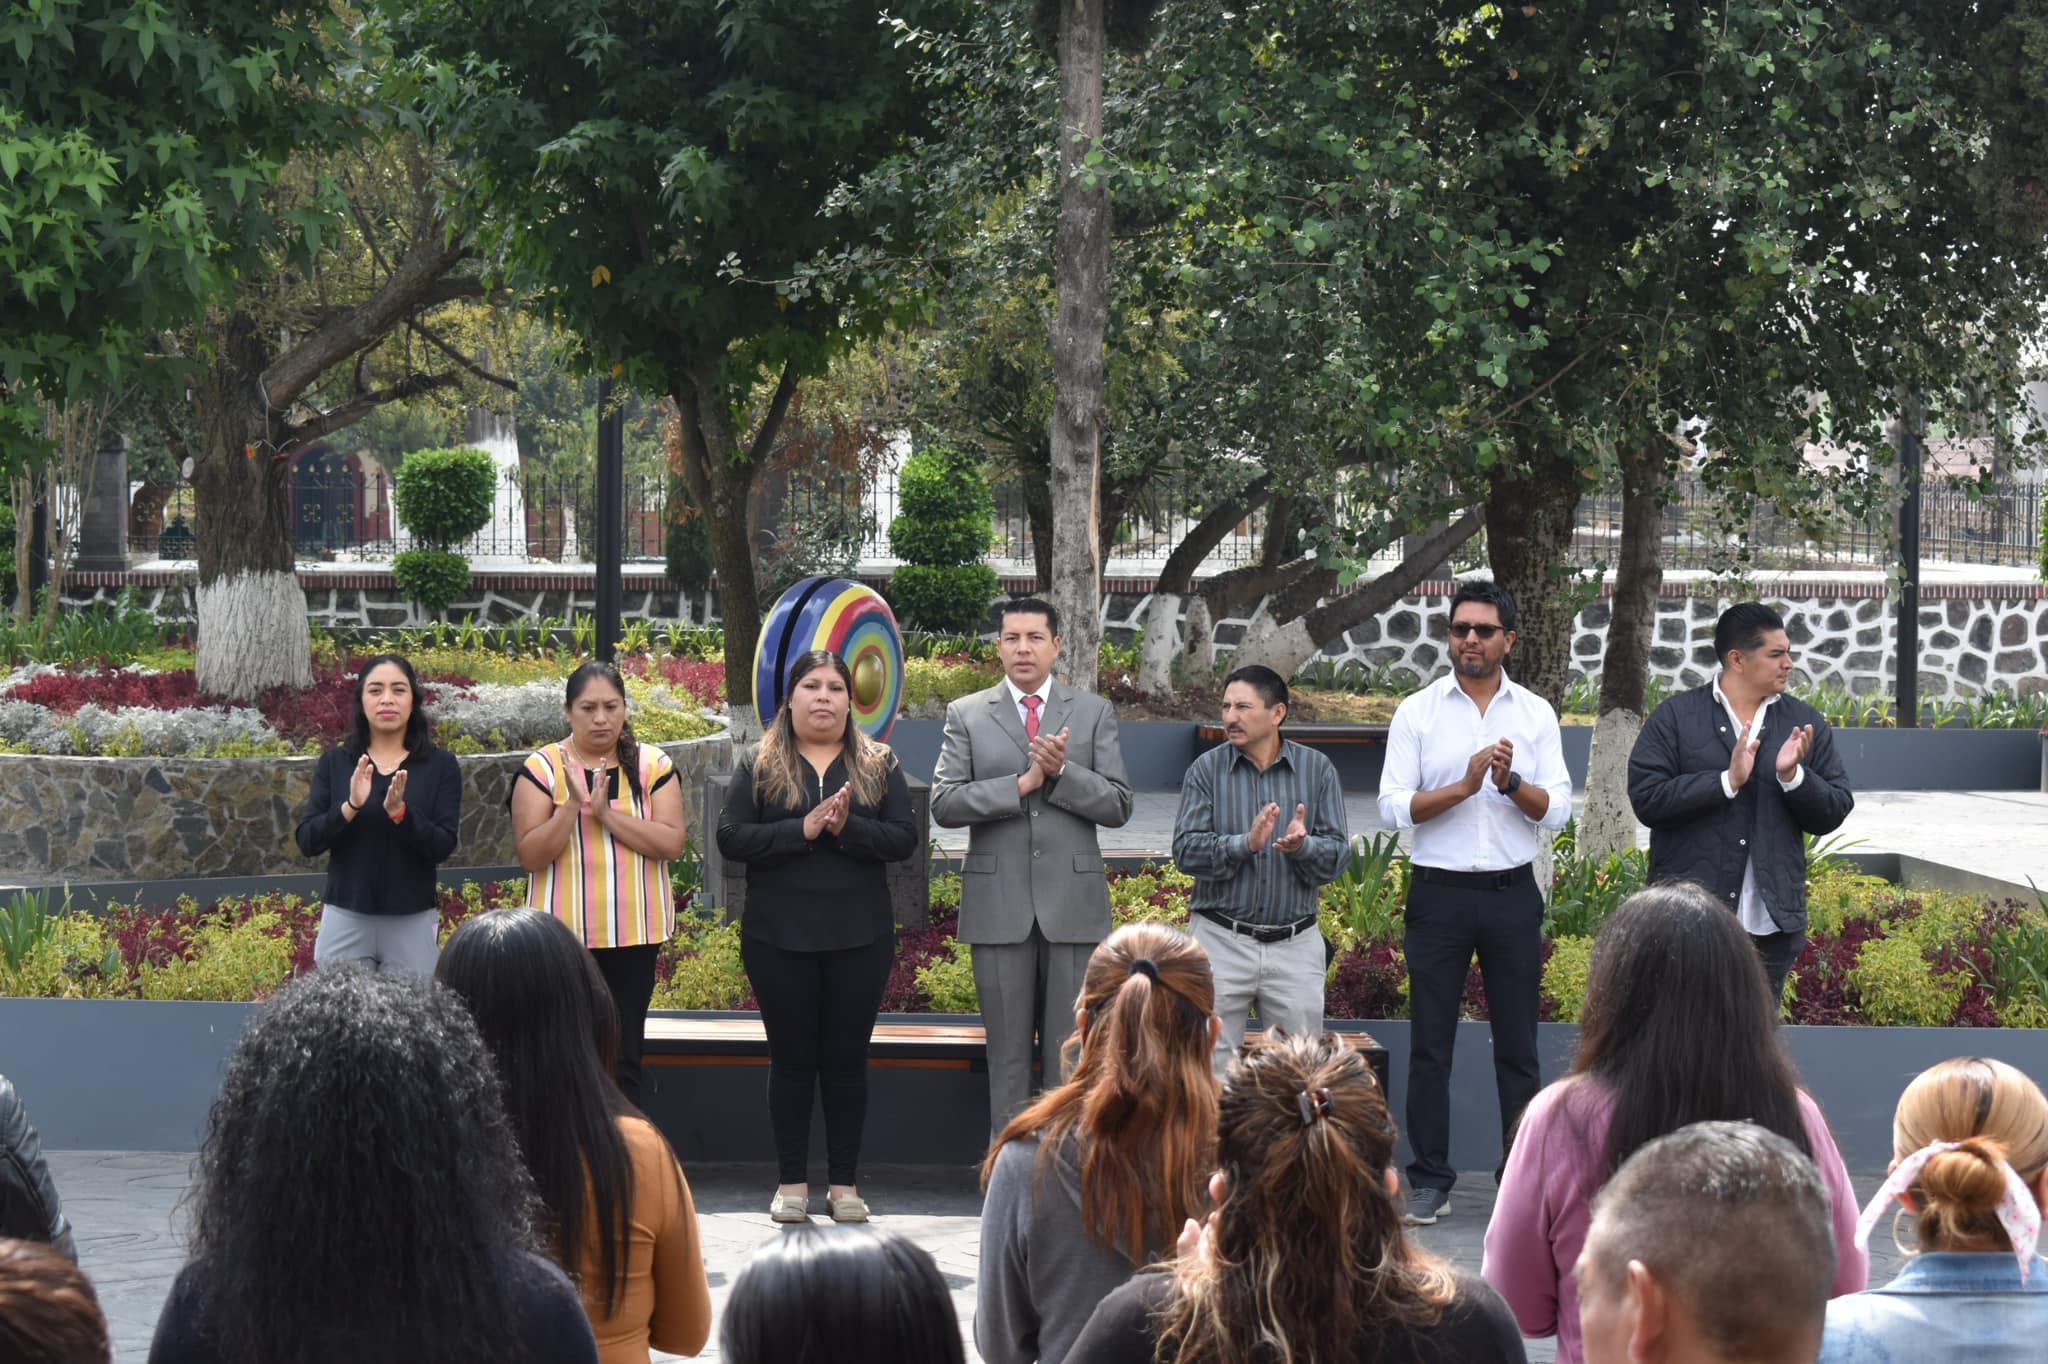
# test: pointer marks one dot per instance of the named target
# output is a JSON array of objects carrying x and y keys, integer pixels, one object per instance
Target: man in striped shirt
[{"x": 1261, "y": 829}]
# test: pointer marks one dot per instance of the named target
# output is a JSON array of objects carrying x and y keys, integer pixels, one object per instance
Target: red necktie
[{"x": 1031, "y": 705}]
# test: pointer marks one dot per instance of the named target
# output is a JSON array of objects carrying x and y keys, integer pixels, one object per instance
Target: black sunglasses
[{"x": 1460, "y": 629}]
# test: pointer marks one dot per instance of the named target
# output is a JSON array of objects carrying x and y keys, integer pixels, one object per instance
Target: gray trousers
[
  {"x": 1285, "y": 980},
  {"x": 386, "y": 942},
  {"x": 1028, "y": 991}
]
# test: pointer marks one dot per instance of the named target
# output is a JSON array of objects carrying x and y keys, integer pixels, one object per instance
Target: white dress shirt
[
  {"x": 1749, "y": 907},
  {"x": 1044, "y": 694},
  {"x": 1429, "y": 745}
]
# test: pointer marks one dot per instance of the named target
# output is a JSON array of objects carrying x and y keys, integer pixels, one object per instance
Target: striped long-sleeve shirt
[{"x": 1221, "y": 796}]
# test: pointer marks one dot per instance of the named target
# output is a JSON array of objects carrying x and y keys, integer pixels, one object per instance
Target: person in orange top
[
  {"x": 600, "y": 1167},
  {"x": 597, "y": 819}
]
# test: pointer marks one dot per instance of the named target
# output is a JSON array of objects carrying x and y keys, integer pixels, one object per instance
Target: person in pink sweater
[{"x": 1678, "y": 1027}]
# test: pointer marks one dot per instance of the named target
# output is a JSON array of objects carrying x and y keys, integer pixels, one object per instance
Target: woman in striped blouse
[{"x": 597, "y": 819}]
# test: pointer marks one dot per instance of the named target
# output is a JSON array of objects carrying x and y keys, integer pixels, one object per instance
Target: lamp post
[
  {"x": 611, "y": 476},
  {"x": 1907, "y": 663}
]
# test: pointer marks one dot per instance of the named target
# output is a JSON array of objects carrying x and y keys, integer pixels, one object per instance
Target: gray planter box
[
  {"x": 126, "y": 1075},
  {"x": 1947, "y": 759}
]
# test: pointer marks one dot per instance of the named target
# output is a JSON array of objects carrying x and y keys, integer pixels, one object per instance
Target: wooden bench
[
  {"x": 676, "y": 1039},
  {"x": 1315, "y": 736}
]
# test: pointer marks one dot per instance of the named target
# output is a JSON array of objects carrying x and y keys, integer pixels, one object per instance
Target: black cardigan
[
  {"x": 818, "y": 896},
  {"x": 375, "y": 866}
]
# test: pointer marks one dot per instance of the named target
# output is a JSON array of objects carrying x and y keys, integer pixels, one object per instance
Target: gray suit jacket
[{"x": 1033, "y": 859}]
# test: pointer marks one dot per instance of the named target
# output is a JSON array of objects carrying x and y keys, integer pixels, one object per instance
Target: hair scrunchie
[
  {"x": 1146, "y": 967},
  {"x": 2017, "y": 1211},
  {"x": 1314, "y": 1104}
]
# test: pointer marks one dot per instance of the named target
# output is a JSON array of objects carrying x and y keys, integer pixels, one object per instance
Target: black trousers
[
  {"x": 818, "y": 1009},
  {"x": 629, "y": 975},
  {"x": 1778, "y": 951},
  {"x": 1445, "y": 927}
]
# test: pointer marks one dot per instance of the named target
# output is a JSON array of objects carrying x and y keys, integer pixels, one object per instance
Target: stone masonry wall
[
  {"x": 1968, "y": 645},
  {"x": 1971, "y": 640},
  {"x": 127, "y": 819}
]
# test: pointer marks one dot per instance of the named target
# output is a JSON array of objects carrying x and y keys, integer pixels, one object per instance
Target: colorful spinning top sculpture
[{"x": 851, "y": 620}]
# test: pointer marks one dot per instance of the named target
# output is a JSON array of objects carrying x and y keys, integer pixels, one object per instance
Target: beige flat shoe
[
  {"x": 850, "y": 1208},
  {"x": 789, "y": 1208}
]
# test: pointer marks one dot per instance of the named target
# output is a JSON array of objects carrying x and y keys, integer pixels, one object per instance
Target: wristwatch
[{"x": 1514, "y": 784}]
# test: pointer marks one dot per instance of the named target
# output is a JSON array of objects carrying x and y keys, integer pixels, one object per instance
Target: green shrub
[
  {"x": 1154, "y": 895},
  {"x": 6, "y": 556},
  {"x": 1585, "y": 891},
  {"x": 951, "y": 598},
  {"x": 1368, "y": 898},
  {"x": 1565, "y": 976},
  {"x": 227, "y": 961},
  {"x": 705, "y": 971},
  {"x": 432, "y": 577},
  {"x": 445, "y": 496},
  {"x": 945, "y": 891},
  {"x": 936, "y": 682},
  {"x": 948, "y": 980},
  {"x": 48, "y": 951},
  {"x": 1901, "y": 988},
  {"x": 945, "y": 524}
]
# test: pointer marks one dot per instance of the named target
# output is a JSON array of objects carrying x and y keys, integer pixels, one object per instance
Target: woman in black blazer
[
  {"x": 385, "y": 807},
  {"x": 815, "y": 815}
]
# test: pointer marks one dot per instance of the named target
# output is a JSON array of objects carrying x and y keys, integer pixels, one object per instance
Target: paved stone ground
[
  {"x": 124, "y": 1205},
  {"x": 1995, "y": 833}
]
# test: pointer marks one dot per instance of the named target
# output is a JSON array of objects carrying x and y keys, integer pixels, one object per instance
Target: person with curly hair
[
  {"x": 48, "y": 1311},
  {"x": 1094, "y": 1180},
  {"x": 1305, "y": 1259},
  {"x": 619, "y": 1213},
  {"x": 360, "y": 1196},
  {"x": 596, "y": 819}
]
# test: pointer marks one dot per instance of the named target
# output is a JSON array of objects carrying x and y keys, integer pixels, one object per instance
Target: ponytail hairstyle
[
  {"x": 1310, "y": 1257},
  {"x": 629, "y": 747},
  {"x": 1141, "y": 1105},
  {"x": 1999, "y": 1117},
  {"x": 778, "y": 767}
]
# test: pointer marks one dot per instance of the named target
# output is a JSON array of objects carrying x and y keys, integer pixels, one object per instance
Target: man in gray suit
[{"x": 1031, "y": 767}]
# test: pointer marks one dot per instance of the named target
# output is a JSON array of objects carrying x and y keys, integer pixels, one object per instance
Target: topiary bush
[
  {"x": 942, "y": 532},
  {"x": 433, "y": 578},
  {"x": 443, "y": 497}
]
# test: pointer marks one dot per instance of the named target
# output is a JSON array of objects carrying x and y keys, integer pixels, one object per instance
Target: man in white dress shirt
[{"x": 1475, "y": 771}]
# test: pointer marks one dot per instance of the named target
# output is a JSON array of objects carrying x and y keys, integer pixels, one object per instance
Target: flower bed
[
  {"x": 480, "y": 702},
  {"x": 1879, "y": 954}
]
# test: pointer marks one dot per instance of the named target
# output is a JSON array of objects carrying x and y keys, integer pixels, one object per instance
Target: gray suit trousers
[{"x": 1026, "y": 988}]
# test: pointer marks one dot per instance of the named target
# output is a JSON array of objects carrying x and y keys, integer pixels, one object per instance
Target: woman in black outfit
[
  {"x": 814, "y": 815},
  {"x": 386, "y": 806}
]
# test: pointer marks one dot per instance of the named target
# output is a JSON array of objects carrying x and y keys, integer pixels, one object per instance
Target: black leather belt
[
  {"x": 1476, "y": 880},
  {"x": 1259, "y": 932}
]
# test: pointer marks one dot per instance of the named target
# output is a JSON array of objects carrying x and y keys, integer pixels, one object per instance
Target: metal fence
[
  {"x": 1707, "y": 530},
  {"x": 835, "y": 515}
]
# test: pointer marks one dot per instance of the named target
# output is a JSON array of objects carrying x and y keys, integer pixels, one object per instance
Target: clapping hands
[{"x": 828, "y": 816}]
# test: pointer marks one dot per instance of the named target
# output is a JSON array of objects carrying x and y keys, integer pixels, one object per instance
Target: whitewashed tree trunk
[
  {"x": 1161, "y": 644},
  {"x": 1283, "y": 646},
  {"x": 1607, "y": 823},
  {"x": 1198, "y": 639},
  {"x": 254, "y": 625}
]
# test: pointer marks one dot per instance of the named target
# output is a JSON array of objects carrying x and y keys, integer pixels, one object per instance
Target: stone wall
[
  {"x": 132, "y": 819},
  {"x": 1973, "y": 637},
  {"x": 1968, "y": 644}
]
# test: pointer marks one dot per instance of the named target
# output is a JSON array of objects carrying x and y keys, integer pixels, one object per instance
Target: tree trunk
[
  {"x": 1607, "y": 823},
  {"x": 1176, "y": 580},
  {"x": 1529, "y": 516},
  {"x": 1077, "y": 339},
  {"x": 251, "y": 612},
  {"x": 720, "y": 474},
  {"x": 1287, "y": 636},
  {"x": 146, "y": 510}
]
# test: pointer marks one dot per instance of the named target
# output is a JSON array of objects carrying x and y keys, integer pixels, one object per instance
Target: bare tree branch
[
  {"x": 421, "y": 330},
  {"x": 360, "y": 406}
]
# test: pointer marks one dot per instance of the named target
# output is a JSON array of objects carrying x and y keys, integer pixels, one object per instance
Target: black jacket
[
  {"x": 1698, "y": 834},
  {"x": 821, "y": 896},
  {"x": 29, "y": 1210},
  {"x": 375, "y": 866}
]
